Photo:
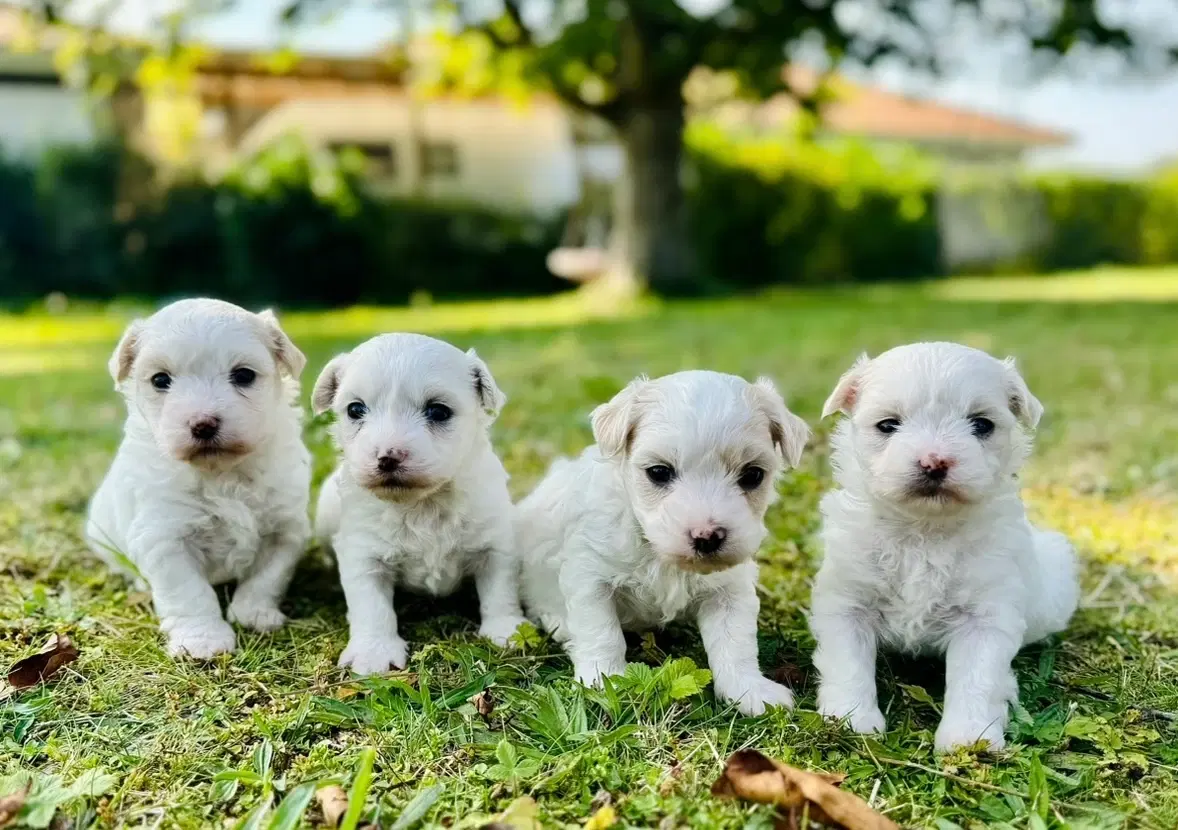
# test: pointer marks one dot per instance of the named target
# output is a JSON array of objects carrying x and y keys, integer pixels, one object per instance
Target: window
[
  {"x": 439, "y": 158},
  {"x": 381, "y": 158}
]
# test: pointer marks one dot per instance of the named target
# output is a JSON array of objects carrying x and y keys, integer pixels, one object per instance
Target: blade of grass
[{"x": 360, "y": 788}]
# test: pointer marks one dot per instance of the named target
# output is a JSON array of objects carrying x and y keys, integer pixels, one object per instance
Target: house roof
[
  {"x": 854, "y": 109},
  {"x": 873, "y": 112}
]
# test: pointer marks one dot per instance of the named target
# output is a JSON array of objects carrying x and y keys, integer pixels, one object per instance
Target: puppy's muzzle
[
  {"x": 932, "y": 476},
  {"x": 708, "y": 541},
  {"x": 205, "y": 428}
]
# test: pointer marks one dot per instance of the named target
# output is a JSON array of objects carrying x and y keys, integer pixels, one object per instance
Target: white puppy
[
  {"x": 659, "y": 520},
  {"x": 212, "y": 479},
  {"x": 928, "y": 548},
  {"x": 420, "y": 499}
]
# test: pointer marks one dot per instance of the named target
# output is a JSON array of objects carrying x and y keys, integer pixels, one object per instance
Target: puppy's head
[
  {"x": 409, "y": 411},
  {"x": 932, "y": 426},
  {"x": 207, "y": 377},
  {"x": 699, "y": 452}
]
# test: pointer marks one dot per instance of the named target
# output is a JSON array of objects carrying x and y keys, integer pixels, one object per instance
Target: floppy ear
[
  {"x": 846, "y": 392},
  {"x": 1023, "y": 404},
  {"x": 614, "y": 422},
  {"x": 327, "y": 385},
  {"x": 124, "y": 353},
  {"x": 286, "y": 354},
  {"x": 491, "y": 398},
  {"x": 788, "y": 431}
]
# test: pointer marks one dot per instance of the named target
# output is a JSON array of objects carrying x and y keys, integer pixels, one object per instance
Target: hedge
[{"x": 298, "y": 228}]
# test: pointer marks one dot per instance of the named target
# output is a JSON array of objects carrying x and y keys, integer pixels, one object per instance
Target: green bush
[
  {"x": 1092, "y": 222},
  {"x": 766, "y": 211}
]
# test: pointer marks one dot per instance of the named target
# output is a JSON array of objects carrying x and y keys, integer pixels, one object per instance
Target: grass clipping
[{"x": 800, "y": 797}]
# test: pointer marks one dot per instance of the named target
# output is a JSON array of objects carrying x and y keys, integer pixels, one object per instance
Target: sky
[{"x": 1118, "y": 124}]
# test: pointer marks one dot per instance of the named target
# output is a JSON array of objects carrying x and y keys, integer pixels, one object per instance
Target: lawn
[{"x": 1094, "y": 744}]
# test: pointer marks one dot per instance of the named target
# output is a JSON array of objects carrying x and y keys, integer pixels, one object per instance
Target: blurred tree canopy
[{"x": 626, "y": 63}]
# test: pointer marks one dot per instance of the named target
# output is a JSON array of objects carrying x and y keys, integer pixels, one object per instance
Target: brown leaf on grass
[
  {"x": 751, "y": 776},
  {"x": 10, "y": 805},
  {"x": 27, "y": 673},
  {"x": 521, "y": 814},
  {"x": 483, "y": 703},
  {"x": 333, "y": 803}
]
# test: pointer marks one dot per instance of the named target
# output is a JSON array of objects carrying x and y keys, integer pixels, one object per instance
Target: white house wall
[
  {"x": 35, "y": 116},
  {"x": 510, "y": 157}
]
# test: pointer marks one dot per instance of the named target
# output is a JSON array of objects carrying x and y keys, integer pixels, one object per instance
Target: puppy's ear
[
  {"x": 327, "y": 385},
  {"x": 614, "y": 422},
  {"x": 843, "y": 398},
  {"x": 286, "y": 354},
  {"x": 125, "y": 353},
  {"x": 788, "y": 431},
  {"x": 1023, "y": 404},
  {"x": 486, "y": 390}
]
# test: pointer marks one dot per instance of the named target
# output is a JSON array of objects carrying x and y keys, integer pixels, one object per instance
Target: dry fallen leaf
[
  {"x": 333, "y": 803},
  {"x": 521, "y": 814},
  {"x": 483, "y": 703},
  {"x": 39, "y": 668},
  {"x": 751, "y": 776},
  {"x": 10, "y": 805}
]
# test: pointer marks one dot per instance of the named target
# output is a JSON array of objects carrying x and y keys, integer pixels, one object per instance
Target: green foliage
[
  {"x": 288, "y": 225},
  {"x": 768, "y": 210}
]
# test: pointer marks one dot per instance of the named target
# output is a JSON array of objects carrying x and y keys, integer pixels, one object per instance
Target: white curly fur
[
  {"x": 953, "y": 569},
  {"x": 443, "y": 515},
  {"x": 605, "y": 549},
  {"x": 190, "y": 514}
]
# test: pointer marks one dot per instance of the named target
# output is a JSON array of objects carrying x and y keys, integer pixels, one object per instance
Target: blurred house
[{"x": 535, "y": 157}]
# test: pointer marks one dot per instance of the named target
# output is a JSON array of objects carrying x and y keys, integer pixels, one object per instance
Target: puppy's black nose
[
  {"x": 388, "y": 463},
  {"x": 937, "y": 474},
  {"x": 708, "y": 541},
  {"x": 205, "y": 429}
]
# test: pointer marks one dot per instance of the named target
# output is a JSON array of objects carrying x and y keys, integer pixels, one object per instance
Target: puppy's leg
[
  {"x": 186, "y": 603},
  {"x": 373, "y": 643},
  {"x": 255, "y": 603},
  {"x": 728, "y": 624},
  {"x": 498, "y": 586},
  {"x": 595, "y": 642},
  {"x": 979, "y": 685},
  {"x": 845, "y": 660}
]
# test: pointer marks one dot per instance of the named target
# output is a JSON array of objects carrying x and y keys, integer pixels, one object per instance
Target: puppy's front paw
[
  {"x": 499, "y": 630},
  {"x": 198, "y": 637},
  {"x": 955, "y": 733},
  {"x": 863, "y": 716},
  {"x": 753, "y": 695},
  {"x": 368, "y": 657},
  {"x": 257, "y": 616},
  {"x": 590, "y": 673}
]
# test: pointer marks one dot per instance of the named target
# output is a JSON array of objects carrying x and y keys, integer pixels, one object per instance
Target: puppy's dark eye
[
  {"x": 888, "y": 425},
  {"x": 356, "y": 410},
  {"x": 243, "y": 376},
  {"x": 660, "y": 473},
  {"x": 981, "y": 427},
  {"x": 437, "y": 413},
  {"x": 161, "y": 381},
  {"x": 751, "y": 478}
]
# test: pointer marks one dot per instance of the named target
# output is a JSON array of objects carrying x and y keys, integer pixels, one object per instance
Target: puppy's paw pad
[
  {"x": 757, "y": 694},
  {"x": 200, "y": 639},
  {"x": 375, "y": 658},
  {"x": 500, "y": 630},
  {"x": 953, "y": 735},
  {"x": 257, "y": 617}
]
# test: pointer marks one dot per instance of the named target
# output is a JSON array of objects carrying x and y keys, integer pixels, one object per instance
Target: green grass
[{"x": 181, "y": 744}]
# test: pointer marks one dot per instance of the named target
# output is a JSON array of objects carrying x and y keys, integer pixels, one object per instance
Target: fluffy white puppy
[
  {"x": 211, "y": 481},
  {"x": 420, "y": 499},
  {"x": 659, "y": 520},
  {"x": 927, "y": 546}
]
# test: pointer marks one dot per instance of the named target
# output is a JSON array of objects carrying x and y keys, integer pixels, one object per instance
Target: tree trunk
[{"x": 650, "y": 244}]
